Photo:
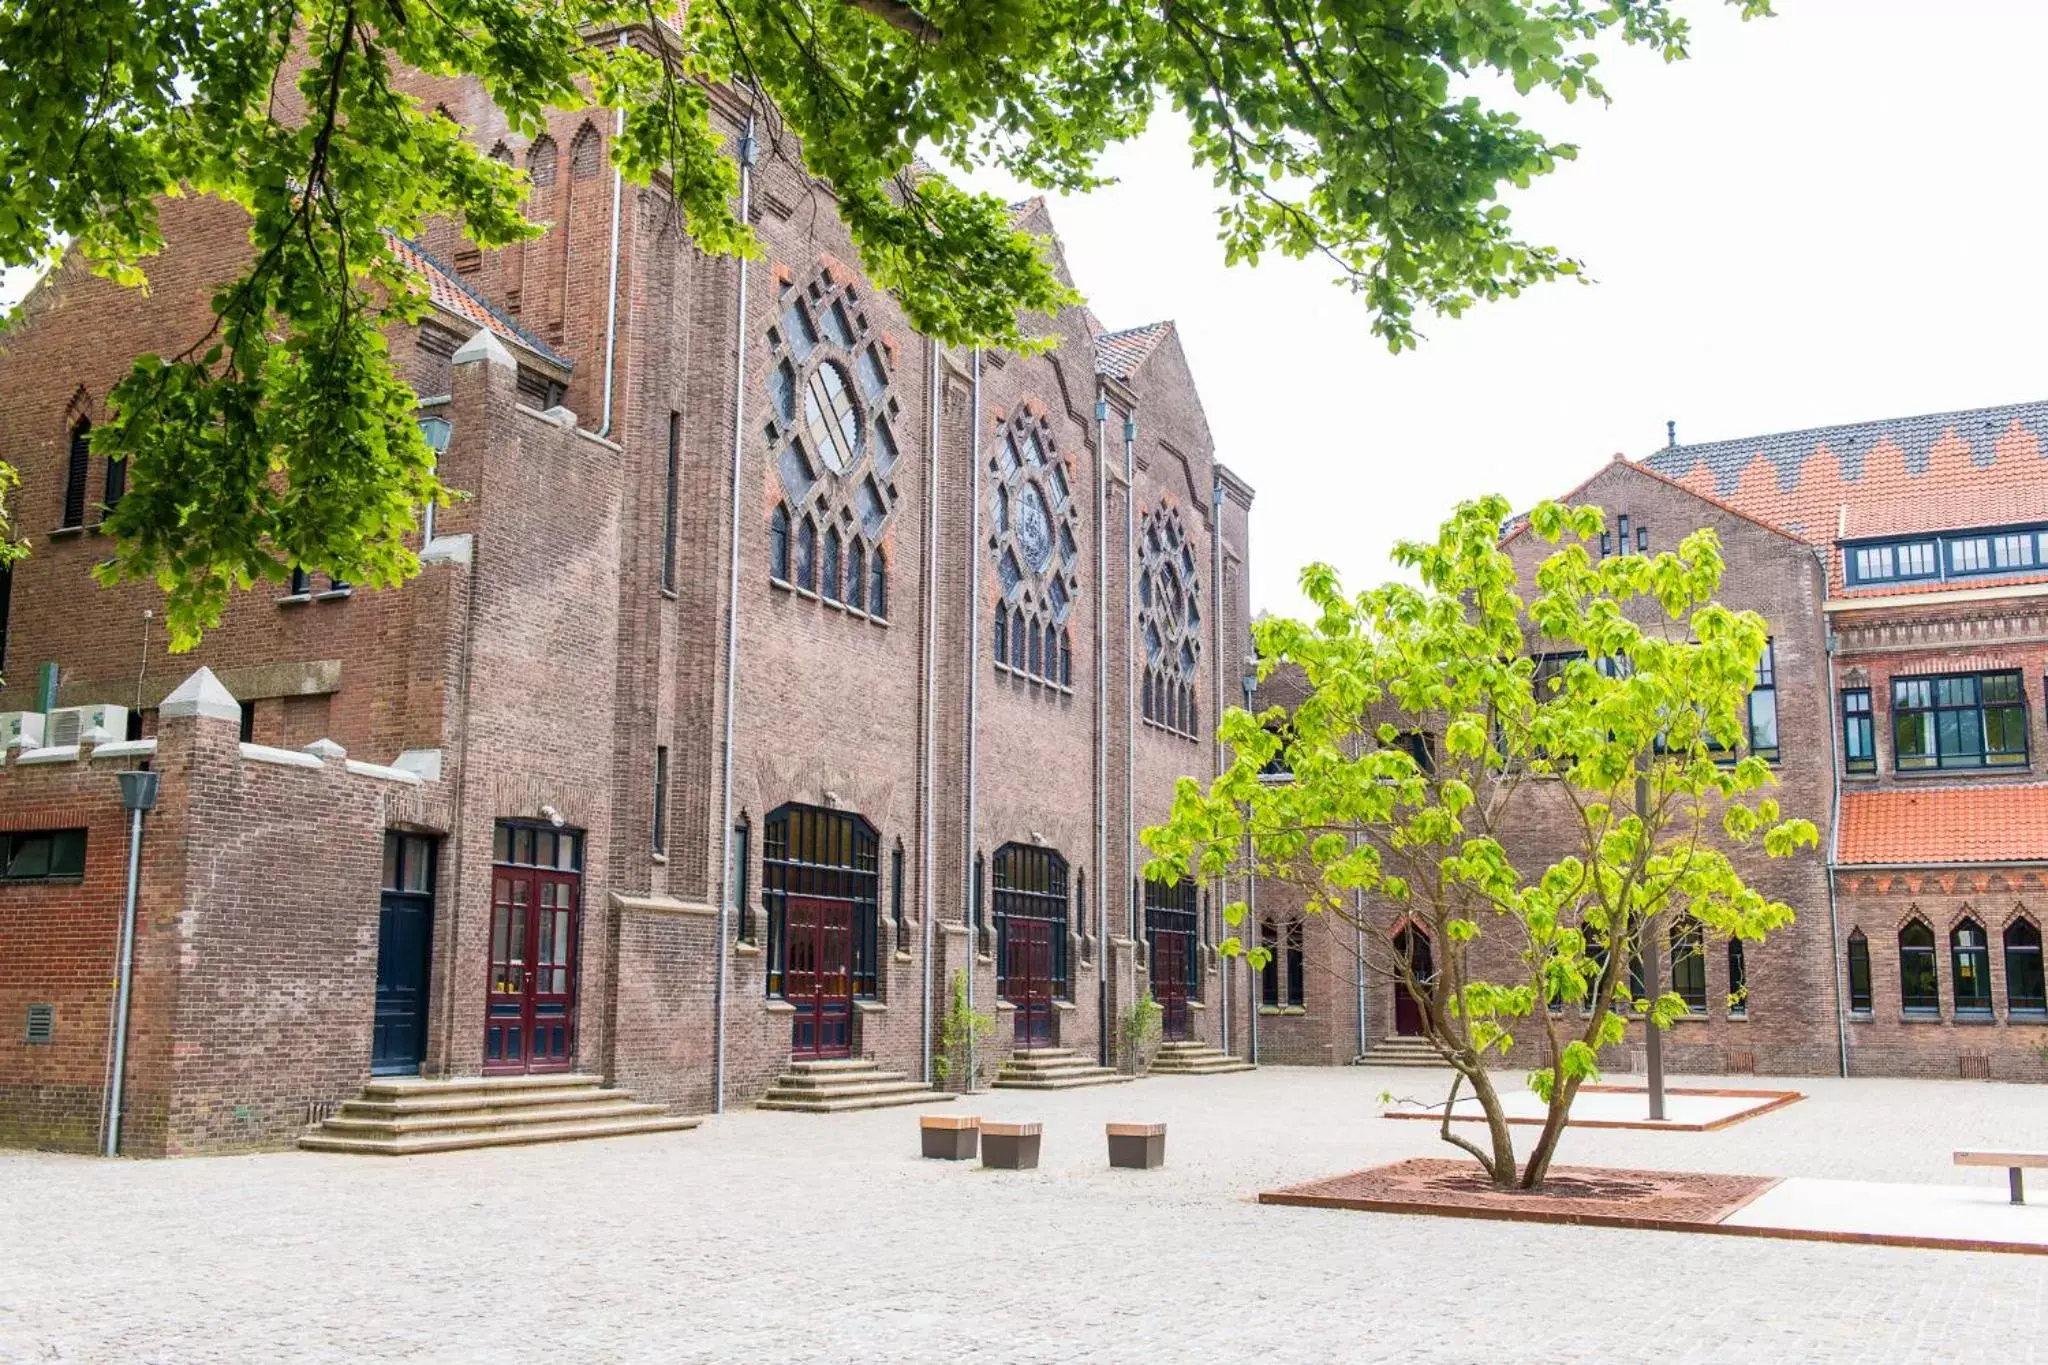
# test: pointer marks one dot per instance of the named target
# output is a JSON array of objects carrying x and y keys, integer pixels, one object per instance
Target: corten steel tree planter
[
  {"x": 1137, "y": 1146},
  {"x": 1010, "y": 1146},
  {"x": 950, "y": 1137}
]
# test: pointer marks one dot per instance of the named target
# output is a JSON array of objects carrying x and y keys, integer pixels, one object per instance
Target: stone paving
[{"x": 794, "y": 1238}]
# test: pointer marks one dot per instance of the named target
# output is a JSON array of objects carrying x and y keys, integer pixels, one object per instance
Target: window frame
[
  {"x": 1935, "y": 709},
  {"x": 1688, "y": 958},
  {"x": 69, "y": 837},
  {"x": 1954, "y": 555},
  {"x": 671, "y": 498},
  {"x": 2035, "y": 1006},
  {"x": 1977, "y": 1005},
  {"x": 1852, "y": 719},
  {"x": 1857, "y": 964},
  {"x": 1927, "y": 1005}
]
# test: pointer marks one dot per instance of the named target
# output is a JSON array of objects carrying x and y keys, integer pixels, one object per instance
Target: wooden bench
[{"x": 2014, "y": 1163}]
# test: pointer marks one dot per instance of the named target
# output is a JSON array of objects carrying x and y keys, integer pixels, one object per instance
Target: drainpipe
[
  {"x": 1131, "y": 680},
  {"x": 1358, "y": 958},
  {"x": 732, "y": 634},
  {"x": 1834, "y": 825},
  {"x": 611, "y": 298},
  {"x": 1216, "y": 692},
  {"x": 1251, "y": 916},
  {"x": 973, "y": 578},
  {"x": 1102, "y": 882},
  {"x": 138, "y": 794},
  {"x": 925, "y": 905}
]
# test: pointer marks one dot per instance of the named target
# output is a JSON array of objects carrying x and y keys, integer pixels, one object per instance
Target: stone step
[
  {"x": 813, "y": 1080},
  {"x": 840, "y": 1102},
  {"x": 1073, "y": 1080},
  {"x": 1206, "y": 1067},
  {"x": 400, "y": 1087},
  {"x": 623, "y": 1106},
  {"x": 1037, "y": 1062},
  {"x": 781, "y": 1090},
  {"x": 469, "y": 1102},
  {"x": 512, "y": 1136},
  {"x": 837, "y": 1064}
]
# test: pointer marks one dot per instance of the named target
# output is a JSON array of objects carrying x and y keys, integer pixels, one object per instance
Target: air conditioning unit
[
  {"x": 21, "y": 729},
  {"x": 101, "y": 724}
]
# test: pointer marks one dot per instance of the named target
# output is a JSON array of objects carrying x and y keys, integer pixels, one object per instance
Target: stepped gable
[
  {"x": 447, "y": 293},
  {"x": 1935, "y": 472}
]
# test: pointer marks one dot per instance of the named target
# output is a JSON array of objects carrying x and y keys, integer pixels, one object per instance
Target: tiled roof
[
  {"x": 1943, "y": 471},
  {"x": 451, "y": 296},
  {"x": 1945, "y": 825},
  {"x": 1120, "y": 354}
]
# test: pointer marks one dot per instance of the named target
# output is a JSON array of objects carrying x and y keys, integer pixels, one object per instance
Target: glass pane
[
  {"x": 569, "y": 855},
  {"x": 522, "y": 846},
  {"x": 67, "y": 853},
  {"x": 419, "y": 864},
  {"x": 31, "y": 857},
  {"x": 392, "y": 847},
  {"x": 501, "y": 844}
]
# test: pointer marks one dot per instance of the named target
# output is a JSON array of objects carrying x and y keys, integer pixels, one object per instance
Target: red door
[
  {"x": 1412, "y": 944},
  {"x": 530, "y": 1014},
  {"x": 1028, "y": 977},
  {"x": 818, "y": 977},
  {"x": 1172, "y": 968}
]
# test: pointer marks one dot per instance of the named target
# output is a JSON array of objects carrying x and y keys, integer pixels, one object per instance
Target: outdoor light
[
  {"x": 1130, "y": 430},
  {"x": 1102, "y": 409},
  {"x": 1250, "y": 681}
]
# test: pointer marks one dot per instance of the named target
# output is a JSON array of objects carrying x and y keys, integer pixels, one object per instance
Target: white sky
[{"x": 1833, "y": 215}]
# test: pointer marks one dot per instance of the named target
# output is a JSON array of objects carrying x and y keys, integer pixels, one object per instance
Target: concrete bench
[
  {"x": 2014, "y": 1163},
  {"x": 1137, "y": 1146},
  {"x": 950, "y": 1137},
  {"x": 1010, "y": 1146}
]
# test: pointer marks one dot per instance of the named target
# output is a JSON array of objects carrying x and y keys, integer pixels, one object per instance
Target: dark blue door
[{"x": 405, "y": 938}]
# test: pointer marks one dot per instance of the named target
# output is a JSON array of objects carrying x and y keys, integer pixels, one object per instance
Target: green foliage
[
  {"x": 283, "y": 437},
  {"x": 1637, "y": 762},
  {"x": 1138, "y": 1027},
  {"x": 960, "y": 1030}
]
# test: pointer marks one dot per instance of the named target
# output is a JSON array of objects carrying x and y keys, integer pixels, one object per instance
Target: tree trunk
[
  {"x": 1561, "y": 1095},
  {"x": 1503, "y": 1171}
]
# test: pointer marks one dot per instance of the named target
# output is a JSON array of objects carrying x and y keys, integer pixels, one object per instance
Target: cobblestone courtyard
[{"x": 796, "y": 1238}]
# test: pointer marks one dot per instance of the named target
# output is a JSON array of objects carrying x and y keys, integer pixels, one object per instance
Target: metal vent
[{"x": 42, "y": 1024}]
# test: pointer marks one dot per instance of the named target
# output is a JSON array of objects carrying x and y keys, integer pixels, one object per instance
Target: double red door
[
  {"x": 530, "y": 1013},
  {"x": 1029, "y": 977},
  {"x": 1413, "y": 945},
  {"x": 1173, "y": 965},
  {"x": 818, "y": 977}
]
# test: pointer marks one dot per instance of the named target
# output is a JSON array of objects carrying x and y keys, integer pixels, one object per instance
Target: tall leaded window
[
  {"x": 78, "y": 464},
  {"x": 1034, "y": 545},
  {"x": 1919, "y": 984},
  {"x": 1763, "y": 706},
  {"x": 1970, "y": 961},
  {"x": 1860, "y": 999},
  {"x": 1963, "y": 720},
  {"x": 1859, "y": 731},
  {"x": 1169, "y": 623},
  {"x": 1689, "y": 965},
  {"x": 832, "y": 445},
  {"x": 1738, "y": 979},
  {"x": 671, "y": 494},
  {"x": 2025, "y": 990},
  {"x": 829, "y": 858},
  {"x": 1031, "y": 923}
]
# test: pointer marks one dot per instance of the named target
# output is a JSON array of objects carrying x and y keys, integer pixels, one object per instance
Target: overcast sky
[{"x": 1832, "y": 215}]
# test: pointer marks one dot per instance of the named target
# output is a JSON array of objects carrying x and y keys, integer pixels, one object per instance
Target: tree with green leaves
[
  {"x": 1608, "y": 708},
  {"x": 1345, "y": 130}
]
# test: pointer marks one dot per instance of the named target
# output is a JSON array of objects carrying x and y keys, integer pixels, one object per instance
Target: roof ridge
[{"x": 1823, "y": 429}]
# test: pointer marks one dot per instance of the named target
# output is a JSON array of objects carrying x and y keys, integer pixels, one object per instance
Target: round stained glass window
[
  {"x": 829, "y": 415},
  {"x": 1034, "y": 529}
]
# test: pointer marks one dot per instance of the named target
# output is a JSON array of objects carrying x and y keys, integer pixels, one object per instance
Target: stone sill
[
  {"x": 1026, "y": 676},
  {"x": 295, "y": 599},
  {"x": 900, "y": 955},
  {"x": 870, "y": 1007},
  {"x": 67, "y": 532},
  {"x": 1063, "y": 1005},
  {"x": 742, "y": 948},
  {"x": 1288, "y": 1010},
  {"x": 778, "y": 1007},
  {"x": 1005, "y": 1007}
]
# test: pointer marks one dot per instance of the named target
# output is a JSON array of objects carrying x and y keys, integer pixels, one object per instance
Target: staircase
[
  {"x": 1195, "y": 1059},
  {"x": 404, "y": 1117},
  {"x": 841, "y": 1086},
  {"x": 1054, "y": 1068},
  {"x": 1396, "y": 1051}
]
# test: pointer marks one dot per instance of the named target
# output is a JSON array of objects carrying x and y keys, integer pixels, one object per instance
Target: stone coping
[
  {"x": 1011, "y": 1130},
  {"x": 949, "y": 1122},
  {"x": 1139, "y": 1130}
]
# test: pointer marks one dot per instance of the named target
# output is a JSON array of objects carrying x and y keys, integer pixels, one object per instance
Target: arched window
[
  {"x": 807, "y": 556},
  {"x": 1738, "y": 979},
  {"x": 878, "y": 586},
  {"x": 1033, "y": 542},
  {"x": 1066, "y": 658},
  {"x": 778, "y": 543},
  {"x": 1033, "y": 662},
  {"x": 828, "y": 862},
  {"x": 856, "y": 575},
  {"x": 1031, "y": 936},
  {"x": 1169, "y": 620},
  {"x": 1002, "y": 640},
  {"x": 1919, "y": 984},
  {"x": 542, "y": 160},
  {"x": 586, "y": 153},
  {"x": 1970, "y": 960},
  {"x": 1689, "y": 965},
  {"x": 1017, "y": 640},
  {"x": 1860, "y": 1000},
  {"x": 116, "y": 484},
  {"x": 2025, "y": 991},
  {"x": 78, "y": 462},
  {"x": 828, "y": 567}
]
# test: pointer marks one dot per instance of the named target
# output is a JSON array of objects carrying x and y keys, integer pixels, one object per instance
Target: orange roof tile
[
  {"x": 451, "y": 296},
  {"x": 1909, "y": 827}
]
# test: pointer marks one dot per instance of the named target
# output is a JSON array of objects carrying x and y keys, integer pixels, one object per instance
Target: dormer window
[{"x": 1970, "y": 554}]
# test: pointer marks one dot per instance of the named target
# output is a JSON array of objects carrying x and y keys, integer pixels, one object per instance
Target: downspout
[
  {"x": 124, "y": 983},
  {"x": 973, "y": 577},
  {"x": 1216, "y": 718},
  {"x": 611, "y": 301},
  {"x": 723, "y": 949},
  {"x": 1102, "y": 882},
  {"x": 925, "y": 905},
  {"x": 1831, "y": 710},
  {"x": 1251, "y": 917},
  {"x": 1358, "y": 957},
  {"x": 1131, "y": 683}
]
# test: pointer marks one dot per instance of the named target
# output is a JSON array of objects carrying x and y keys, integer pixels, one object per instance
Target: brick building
[
  {"x": 1903, "y": 569},
  {"x": 778, "y": 666}
]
